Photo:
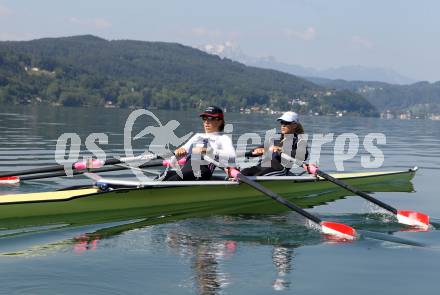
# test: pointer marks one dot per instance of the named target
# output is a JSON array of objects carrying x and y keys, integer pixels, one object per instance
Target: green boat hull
[{"x": 192, "y": 201}]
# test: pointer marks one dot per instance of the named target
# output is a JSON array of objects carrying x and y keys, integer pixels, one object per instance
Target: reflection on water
[
  {"x": 205, "y": 264},
  {"x": 282, "y": 259},
  {"x": 209, "y": 248},
  {"x": 85, "y": 242},
  {"x": 208, "y": 256}
]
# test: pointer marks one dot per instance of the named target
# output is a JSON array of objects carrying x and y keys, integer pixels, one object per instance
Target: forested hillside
[
  {"x": 90, "y": 71},
  {"x": 421, "y": 99}
]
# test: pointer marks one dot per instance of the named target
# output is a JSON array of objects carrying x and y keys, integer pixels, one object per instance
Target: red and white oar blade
[
  {"x": 338, "y": 230},
  {"x": 413, "y": 218},
  {"x": 9, "y": 180}
]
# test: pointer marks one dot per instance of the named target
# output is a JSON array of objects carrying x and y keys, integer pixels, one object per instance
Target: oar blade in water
[
  {"x": 413, "y": 218},
  {"x": 338, "y": 230}
]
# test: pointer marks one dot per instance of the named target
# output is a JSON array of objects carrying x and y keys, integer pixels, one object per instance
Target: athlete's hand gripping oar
[
  {"x": 408, "y": 217},
  {"x": 338, "y": 230}
]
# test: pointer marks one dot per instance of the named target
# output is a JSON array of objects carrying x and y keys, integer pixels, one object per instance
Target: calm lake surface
[{"x": 221, "y": 254}]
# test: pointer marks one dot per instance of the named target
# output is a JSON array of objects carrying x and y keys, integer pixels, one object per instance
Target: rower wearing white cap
[{"x": 292, "y": 135}]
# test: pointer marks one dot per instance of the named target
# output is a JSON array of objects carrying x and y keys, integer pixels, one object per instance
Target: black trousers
[
  {"x": 275, "y": 169},
  {"x": 188, "y": 174}
]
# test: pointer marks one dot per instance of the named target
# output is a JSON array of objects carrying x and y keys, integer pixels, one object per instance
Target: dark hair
[
  {"x": 299, "y": 128},
  {"x": 222, "y": 126}
]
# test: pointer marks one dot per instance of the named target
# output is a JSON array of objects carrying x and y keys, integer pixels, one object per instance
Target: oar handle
[
  {"x": 356, "y": 191},
  {"x": 278, "y": 198},
  {"x": 112, "y": 161}
]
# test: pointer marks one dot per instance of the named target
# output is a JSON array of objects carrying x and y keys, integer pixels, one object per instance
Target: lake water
[{"x": 220, "y": 254}]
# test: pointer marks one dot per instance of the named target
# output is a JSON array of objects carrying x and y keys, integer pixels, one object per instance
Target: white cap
[{"x": 289, "y": 117}]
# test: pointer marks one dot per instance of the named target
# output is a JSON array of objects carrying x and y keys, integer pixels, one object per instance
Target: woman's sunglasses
[
  {"x": 205, "y": 118},
  {"x": 286, "y": 123}
]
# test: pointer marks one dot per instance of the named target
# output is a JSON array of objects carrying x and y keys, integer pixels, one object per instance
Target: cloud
[
  {"x": 97, "y": 23},
  {"x": 4, "y": 11},
  {"x": 362, "y": 42},
  {"x": 204, "y": 32},
  {"x": 228, "y": 49},
  {"x": 308, "y": 34},
  {"x": 219, "y": 49}
]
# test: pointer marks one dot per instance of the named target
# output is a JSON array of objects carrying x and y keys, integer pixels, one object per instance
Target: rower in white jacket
[{"x": 213, "y": 143}]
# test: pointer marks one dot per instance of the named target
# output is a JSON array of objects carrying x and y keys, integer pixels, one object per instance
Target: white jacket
[{"x": 220, "y": 144}]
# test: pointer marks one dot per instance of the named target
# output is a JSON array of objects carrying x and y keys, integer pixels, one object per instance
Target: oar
[
  {"x": 152, "y": 163},
  {"x": 407, "y": 217},
  {"x": 338, "y": 230},
  {"x": 82, "y": 165},
  {"x": 79, "y": 168},
  {"x": 75, "y": 166}
]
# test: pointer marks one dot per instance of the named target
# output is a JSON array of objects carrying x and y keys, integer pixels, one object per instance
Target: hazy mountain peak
[
  {"x": 347, "y": 72},
  {"x": 362, "y": 73}
]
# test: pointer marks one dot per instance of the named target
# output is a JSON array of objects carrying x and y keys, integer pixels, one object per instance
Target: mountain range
[
  {"x": 88, "y": 70},
  {"x": 421, "y": 99},
  {"x": 349, "y": 73},
  {"x": 387, "y": 90}
]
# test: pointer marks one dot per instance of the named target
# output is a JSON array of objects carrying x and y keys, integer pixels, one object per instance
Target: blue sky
[{"x": 402, "y": 35}]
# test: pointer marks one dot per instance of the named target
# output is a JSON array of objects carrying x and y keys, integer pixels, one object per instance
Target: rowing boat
[{"x": 185, "y": 199}]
